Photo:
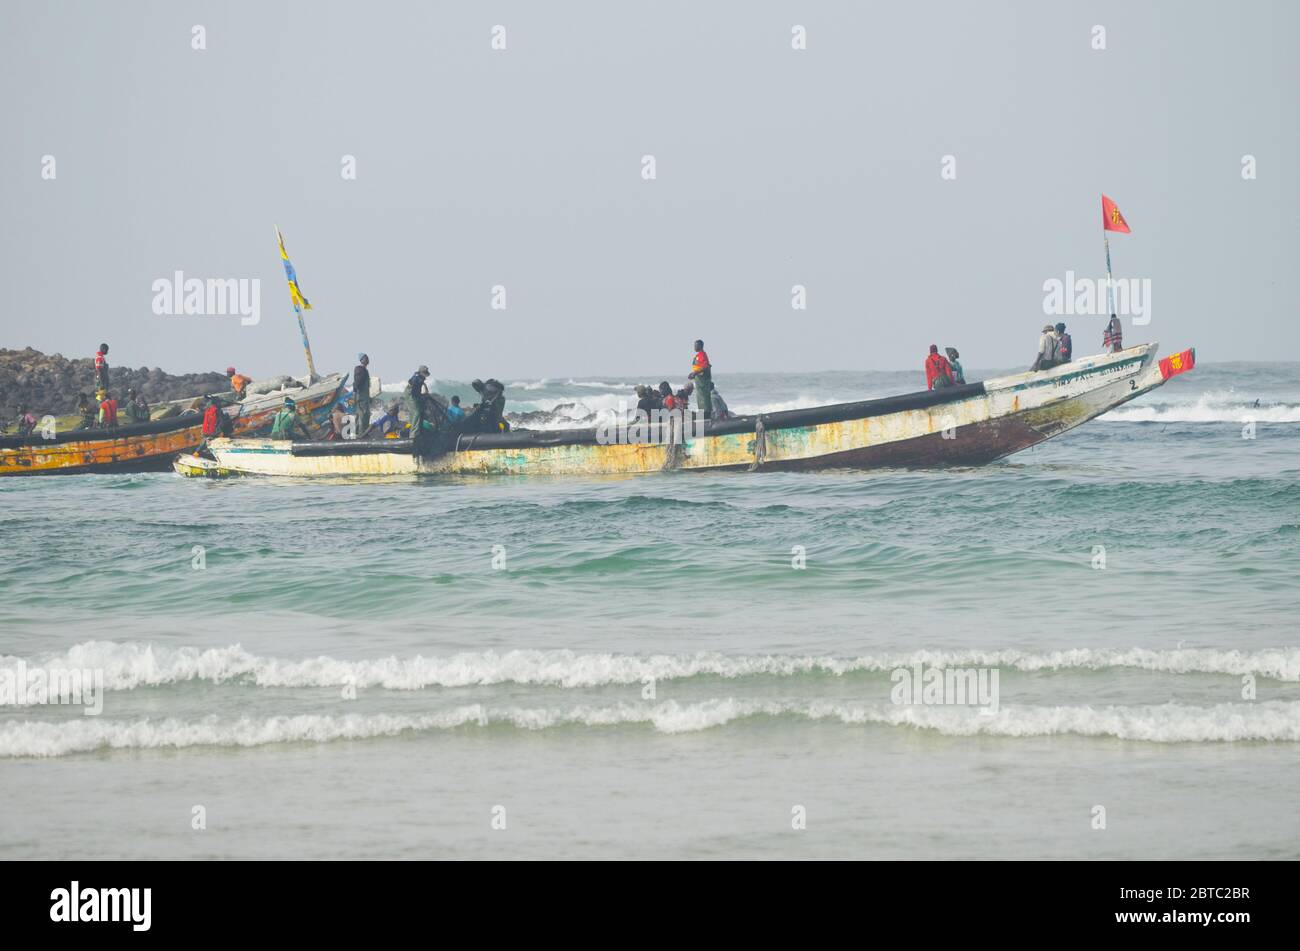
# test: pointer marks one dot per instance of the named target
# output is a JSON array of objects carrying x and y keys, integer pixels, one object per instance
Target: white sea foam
[
  {"x": 1216, "y": 407},
  {"x": 131, "y": 665},
  {"x": 1276, "y": 721}
]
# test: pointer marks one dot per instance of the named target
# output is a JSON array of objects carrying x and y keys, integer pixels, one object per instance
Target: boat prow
[{"x": 965, "y": 425}]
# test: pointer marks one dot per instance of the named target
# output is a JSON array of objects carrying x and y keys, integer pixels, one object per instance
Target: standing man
[
  {"x": 238, "y": 382},
  {"x": 702, "y": 374},
  {"x": 101, "y": 372},
  {"x": 361, "y": 393},
  {"x": 1113, "y": 338},
  {"x": 416, "y": 388}
]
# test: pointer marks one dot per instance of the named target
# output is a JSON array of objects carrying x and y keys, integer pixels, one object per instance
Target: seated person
[{"x": 87, "y": 410}]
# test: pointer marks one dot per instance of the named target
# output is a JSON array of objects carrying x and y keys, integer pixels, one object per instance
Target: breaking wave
[
  {"x": 1167, "y": 723},
  {"x": 1216, "y": 407},
  {"x": 132, "y": 665}
]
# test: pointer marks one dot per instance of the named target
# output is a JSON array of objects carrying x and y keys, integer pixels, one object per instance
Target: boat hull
[
  {"x": 963, "y": 426},
  {"x": 147, "y": 447}
]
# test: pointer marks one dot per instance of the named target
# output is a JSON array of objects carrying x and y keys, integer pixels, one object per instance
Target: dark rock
[{"x": 50, "y": 383}]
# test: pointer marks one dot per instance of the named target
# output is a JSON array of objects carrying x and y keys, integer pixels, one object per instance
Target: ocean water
[{"x": 635, "y": 667}]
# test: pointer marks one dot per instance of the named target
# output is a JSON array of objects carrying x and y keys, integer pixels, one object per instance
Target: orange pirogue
[{"x": 144, "y": 447}]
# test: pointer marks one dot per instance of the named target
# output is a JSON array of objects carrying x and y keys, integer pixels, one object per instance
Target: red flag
[
  {"x": 1111, "y": 219},
  {"x": 1177, "y": 363}
]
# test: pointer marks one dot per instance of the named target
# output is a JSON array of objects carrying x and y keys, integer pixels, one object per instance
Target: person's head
[
  {"x": 689, "y": 388},
  {"x": 423, "y": 371},
  {"x": 289, "y": 403},
  {"x": 103, "y": 348},
  {"x": 363, "y": 359},
  {"x": 1060, "y": 328},
  {"x": 455, "y": 401},
  {"x": 665, "y": 388},
  {"x": 952, "y": 353},
  {"x": 934, "y": 348},
  {"x": 1047, "y": 328},
  {"x": 130, "y": 392},
  {"x": 230, "y": 371},
  {"x": 699, "y": 345}
]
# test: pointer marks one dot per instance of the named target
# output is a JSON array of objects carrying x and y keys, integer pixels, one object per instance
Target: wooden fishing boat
[
  {"x": 143, "y": 447},
  {"x": 964, "y": 425}
]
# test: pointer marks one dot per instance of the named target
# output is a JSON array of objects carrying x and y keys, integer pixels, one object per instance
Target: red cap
[{"x": 230, "y": 371}]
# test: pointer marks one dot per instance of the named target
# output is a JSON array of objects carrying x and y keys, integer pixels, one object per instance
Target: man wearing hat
[
  {"x": 361, "y": 392},
  {"x": 238, "y": 382},
  {"x": 416, "y": 388},
  {"x": 287, "y": 422},
  {"x": 1046, "y": 358}
]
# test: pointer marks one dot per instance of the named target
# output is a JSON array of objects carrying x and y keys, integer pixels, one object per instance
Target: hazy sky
[{"x": 523, "y": 168}]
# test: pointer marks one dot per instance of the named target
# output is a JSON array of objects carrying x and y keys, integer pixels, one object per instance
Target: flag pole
[
  {"x": 306, "y": 346},
  {"x": 302, "y": 324},
  {"x": 1110, "y": 283}
]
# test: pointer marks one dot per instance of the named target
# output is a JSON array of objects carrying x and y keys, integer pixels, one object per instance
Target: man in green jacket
[{"x": 287, "y": 422}]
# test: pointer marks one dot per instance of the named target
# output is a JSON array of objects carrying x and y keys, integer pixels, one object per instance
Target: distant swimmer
[{"x": 938, "y": 372}]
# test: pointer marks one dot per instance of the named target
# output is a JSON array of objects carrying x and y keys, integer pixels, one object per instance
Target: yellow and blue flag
[{"x": 299, "y": 301}]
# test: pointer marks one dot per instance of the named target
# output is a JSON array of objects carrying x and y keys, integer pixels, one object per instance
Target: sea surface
[{"x": 678, "y": 665}]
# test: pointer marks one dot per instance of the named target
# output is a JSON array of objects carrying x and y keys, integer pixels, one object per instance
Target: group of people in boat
[
  {"x": 427, "y": 413},
  {"x": 699, "y": 383},
  {"x": 941, "y": 371},
  {"x": 1055, "y": 348}
]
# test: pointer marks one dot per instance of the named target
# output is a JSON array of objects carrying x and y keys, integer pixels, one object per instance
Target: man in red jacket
[{"x": 938, "y": 372}]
